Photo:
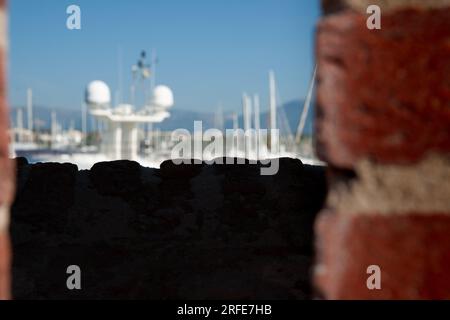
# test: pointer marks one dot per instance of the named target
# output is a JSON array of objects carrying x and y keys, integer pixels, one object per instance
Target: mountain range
[{"x": 288, "y": 116}]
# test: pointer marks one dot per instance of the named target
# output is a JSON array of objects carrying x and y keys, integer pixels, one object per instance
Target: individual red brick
[
  {"x": 333, "y": 6},
  {"x": 383, "y": 94},
  {"x": 412, "y": 250}
]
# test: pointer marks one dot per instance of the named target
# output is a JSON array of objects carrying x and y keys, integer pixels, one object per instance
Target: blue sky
[{"x": 210, "y": 51}]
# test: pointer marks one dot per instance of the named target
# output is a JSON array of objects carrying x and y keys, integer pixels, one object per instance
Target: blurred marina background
[{"x": 162, "y": 66}]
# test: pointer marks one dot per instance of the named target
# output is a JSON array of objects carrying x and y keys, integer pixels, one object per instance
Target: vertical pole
[
  {"x": 247, "y": 112},
  {"x": 218, "y": 119},
  {"x": 129, "y": 143},
  {"x": 235, "y": 121},
  {"x": 30, "y": 108},
  {"x": 257, "y": 124},
  {"x": 117, "y": 152},
  {"x": 19, "y": 125},
  {"x": 84, "y": 122},
  {"x": 149, "y": 133},
  {"x": 53, "y": 128},
  {"x": 301, "y": 124},
  {"x": 272, "y": 110},
  {"x": 119, "y": 91},
  {"x": 256, "y": 111}
]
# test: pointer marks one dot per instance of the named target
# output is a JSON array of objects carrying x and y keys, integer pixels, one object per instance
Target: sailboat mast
[
  {"x": 272, "y": 111},
  {"x": 273, "y": 101},
  {"x": 234, "y": 116},
  {"x": 218, "y": 119},
  {"x": 301, "y": 124},
  {"x": 84, "y": 120},
  {"x": 256, "y": 112},
  {"x": 119, "y": 76},
  {"x": 19, "y": 124},
  {"x": 246, "y": 111},
  {"x": 53, "y": 127},
  {"x": 30, "y": 109}
]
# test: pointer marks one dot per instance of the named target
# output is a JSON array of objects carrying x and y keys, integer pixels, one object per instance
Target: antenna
[{"x": 120, "y": 125}]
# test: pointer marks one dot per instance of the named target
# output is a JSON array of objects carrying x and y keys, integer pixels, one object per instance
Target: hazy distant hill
[
  {"x": 179, "y": 118},
  {"x": 42, "y": 116}
]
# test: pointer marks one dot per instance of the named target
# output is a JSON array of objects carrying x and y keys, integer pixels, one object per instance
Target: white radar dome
[
  {"x": 162, "y": 97},
  {"x": 97, "y": 93}
]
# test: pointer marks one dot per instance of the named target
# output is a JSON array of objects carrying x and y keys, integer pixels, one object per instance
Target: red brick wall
[
  {"x": 385, "y": 94},
  {"x": 6, "y": 165},
  {"x": 383, "y": 103}
]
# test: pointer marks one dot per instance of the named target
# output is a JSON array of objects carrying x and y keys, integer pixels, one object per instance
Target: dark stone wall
[{"x": 180, "y": 232}]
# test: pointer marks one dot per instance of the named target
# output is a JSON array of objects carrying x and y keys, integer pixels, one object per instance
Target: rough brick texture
[
  {"x": 383, "y": 94},
  {"x": 413, "y": 252},
  {"x": 5, "y": 260},
  {"x": 333, "y": 6},
  {"x": 6, "y": 167}
]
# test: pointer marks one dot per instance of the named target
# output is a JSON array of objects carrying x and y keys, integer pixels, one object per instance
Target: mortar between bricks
[{"x": 395, "y": 189}]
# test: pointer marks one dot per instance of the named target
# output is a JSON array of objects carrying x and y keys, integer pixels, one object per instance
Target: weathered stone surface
[
  {"x": 220, "y": 231},
  {"x": 118, "y": 178},
  {"x": 45, "y": 195},
  {"x": 170, "y": 170},
  {"x": 383, "y": 94},
  {"x": 387, "y": 6},
  {"x": 412, "y": 251}
]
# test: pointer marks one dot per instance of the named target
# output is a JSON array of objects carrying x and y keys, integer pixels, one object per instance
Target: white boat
[{"x": 122, "y": 135}]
